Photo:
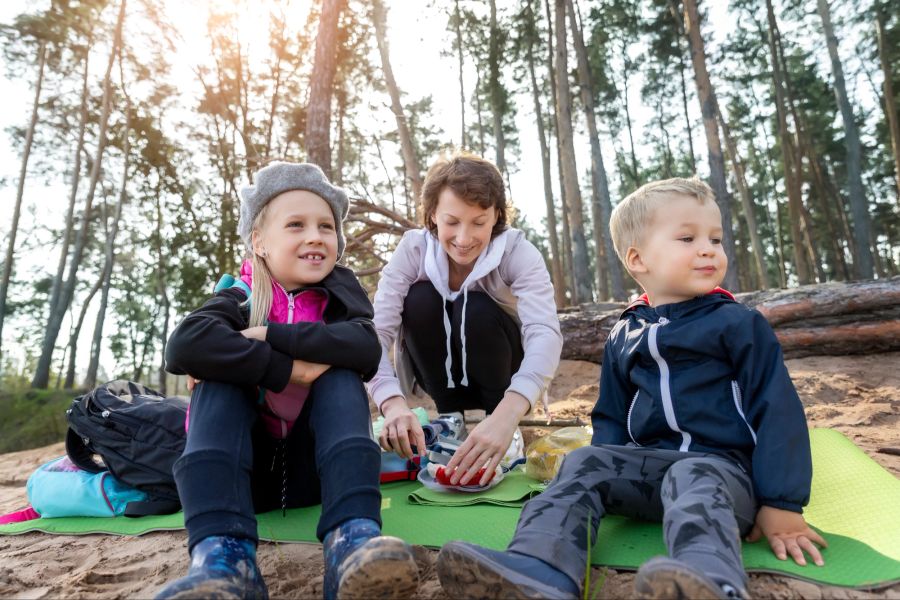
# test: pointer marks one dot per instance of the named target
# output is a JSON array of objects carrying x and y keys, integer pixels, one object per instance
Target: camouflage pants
[{"x": 705, "y": 503}]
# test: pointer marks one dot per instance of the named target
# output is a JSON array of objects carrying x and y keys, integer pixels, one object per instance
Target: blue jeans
[{"x": 231, "y": 468}]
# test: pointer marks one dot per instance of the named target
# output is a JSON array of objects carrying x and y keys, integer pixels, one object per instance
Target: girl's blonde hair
[
  {"x": 262, "y": 278},
  {"x": 632, "y": 216}
]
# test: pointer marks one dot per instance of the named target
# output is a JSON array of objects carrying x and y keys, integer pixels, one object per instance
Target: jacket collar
[{"x": 714, "y": 296}]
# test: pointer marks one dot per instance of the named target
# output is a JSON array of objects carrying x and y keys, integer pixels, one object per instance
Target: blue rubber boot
[
  {"x": 362, "y": 563},
  {"x": 470, "y": 571},
  {"x": 221, "y": 567},
  {"x": 664, "y": 577}
]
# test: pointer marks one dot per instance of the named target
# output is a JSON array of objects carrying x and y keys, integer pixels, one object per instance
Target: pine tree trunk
[
  {"x": 890, "y": 107},
  {"x": 73, "y": 188},
  {"x": 791, "y": 178},
  {"x": 20, "y": 191},
  {"x": 581, "y": 270},
  {"x": 708, "y": 108},
  {"x": 684, "y": 102},
  {"x": 563, "y": 202},
  {"x": 76, "y": 332},
  {"x": 410, "y": 162},
  {"x": 463, "y": 141},
  {"x": 746, "y": 203},
  {"x": 42, "y": 372},
  {"x": 635, "y": 171},
  {"x": 482, "y": 148},
  {"x": 162, "y": 289},
  {"x": 110, "y": 255},
  {"x": 601, "y": 207},
  {"x": 318, "y": 111},
  {"x": 559, "y": 282},
  {"x": 496, "y": 90},
  {"x": 858, "y": 204}
]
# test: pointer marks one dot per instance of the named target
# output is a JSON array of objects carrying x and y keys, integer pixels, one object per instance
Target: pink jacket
[{"x": 281, "y": 409}]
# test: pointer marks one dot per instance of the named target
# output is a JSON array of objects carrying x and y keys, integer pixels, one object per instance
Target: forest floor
[{"x": 856, "y": 395}]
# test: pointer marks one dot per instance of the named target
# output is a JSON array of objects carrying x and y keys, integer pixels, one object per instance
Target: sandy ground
[{"x": 859, "y": 396}]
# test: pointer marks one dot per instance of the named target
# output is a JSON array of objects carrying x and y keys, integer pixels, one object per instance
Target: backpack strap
[
  {"x": 151, "y": 507},
  {"x": 228, "y": 281},
  {"x": 80, "y": 455}
]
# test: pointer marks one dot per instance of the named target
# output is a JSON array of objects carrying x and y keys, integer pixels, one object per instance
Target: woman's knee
[{"x": 422, "y": 307}]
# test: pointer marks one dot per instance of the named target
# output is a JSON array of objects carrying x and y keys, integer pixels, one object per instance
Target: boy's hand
[
  {"x": 787, "y": 533},
  {"x": 305, "y": 373}
]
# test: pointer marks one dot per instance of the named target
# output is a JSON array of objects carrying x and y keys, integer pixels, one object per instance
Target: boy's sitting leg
[
  {"x": 548, "y": 554},
  {"x": 708, "y": 504}
]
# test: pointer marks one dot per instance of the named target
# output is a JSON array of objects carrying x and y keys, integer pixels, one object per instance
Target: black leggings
[{"x": 493, "y": 348}]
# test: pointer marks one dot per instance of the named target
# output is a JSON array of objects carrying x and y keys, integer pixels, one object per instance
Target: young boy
[{"x": 697, "y": 425}]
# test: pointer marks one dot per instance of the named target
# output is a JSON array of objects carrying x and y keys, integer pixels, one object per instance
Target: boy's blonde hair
[{"x": 631, "y": 217}]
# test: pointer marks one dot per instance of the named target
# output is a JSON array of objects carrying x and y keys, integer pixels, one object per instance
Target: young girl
[
  {"x": 468, "y": 305},
  {"x": 291, "y": 340}
]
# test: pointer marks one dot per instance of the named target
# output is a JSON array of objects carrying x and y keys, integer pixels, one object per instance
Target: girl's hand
[
  {"x": 488, "y": 442},
  {"x": 191, "y": 382},
  {"x": 255, "y": 333},
  {"x": 787, "y": 533},
  {"x": 400, "y": 424},
  {"x": 303, "y": 372}
]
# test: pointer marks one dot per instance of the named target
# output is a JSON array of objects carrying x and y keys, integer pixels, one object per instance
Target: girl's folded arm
[
  {"x": 208, "y": 345},
  {"x": 351, "y": 344}
]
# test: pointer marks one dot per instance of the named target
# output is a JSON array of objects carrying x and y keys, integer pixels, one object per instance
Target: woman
[{"x": 468, "y": 305}]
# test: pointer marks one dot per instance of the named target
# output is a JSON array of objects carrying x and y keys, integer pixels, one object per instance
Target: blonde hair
[
  {"x": 261, "y": 283},
  {"x": 632, "y": 216}
]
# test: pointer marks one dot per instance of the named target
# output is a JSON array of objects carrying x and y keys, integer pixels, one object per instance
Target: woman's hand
[
  {"x": 488, "y": 442},
  {"x": 305, "y": 373},
  {"x": 255, "y": 333},
  {"x": 401, "y": 428}
]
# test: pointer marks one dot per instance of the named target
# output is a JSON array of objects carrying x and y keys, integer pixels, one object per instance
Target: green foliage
[{"x": 32, "y": 418}]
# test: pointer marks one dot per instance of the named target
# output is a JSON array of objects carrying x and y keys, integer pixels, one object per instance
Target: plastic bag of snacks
[{"x": 544, "y": 455}]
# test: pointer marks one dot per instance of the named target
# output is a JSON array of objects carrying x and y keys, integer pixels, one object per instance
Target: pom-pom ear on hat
[{"x": 280, "y": 177}]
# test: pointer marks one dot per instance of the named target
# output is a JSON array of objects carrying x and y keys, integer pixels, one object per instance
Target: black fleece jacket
[
  {"x": 706, "y": 375},
  {"x": 208, "y": 343}
]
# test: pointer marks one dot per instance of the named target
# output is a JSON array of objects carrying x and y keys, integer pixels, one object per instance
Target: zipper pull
[{"x": 663, "y": 320}]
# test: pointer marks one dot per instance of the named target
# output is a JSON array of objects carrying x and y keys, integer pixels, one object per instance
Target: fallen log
[{"x": 821, "y": 319}]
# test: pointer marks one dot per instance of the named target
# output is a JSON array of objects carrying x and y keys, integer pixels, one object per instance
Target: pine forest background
[{"x": 788, "y": 108}]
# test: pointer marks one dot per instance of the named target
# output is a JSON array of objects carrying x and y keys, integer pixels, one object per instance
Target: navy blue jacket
[{"x": 706, "y": 375}]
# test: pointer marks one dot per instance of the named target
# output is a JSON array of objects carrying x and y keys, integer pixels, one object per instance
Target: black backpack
[{"x": 138, "y": 433}]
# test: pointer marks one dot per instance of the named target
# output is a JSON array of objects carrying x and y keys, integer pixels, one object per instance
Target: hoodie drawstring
[
  {"x": 448, "y": 363},
  {"x": 462, "y": 332}
]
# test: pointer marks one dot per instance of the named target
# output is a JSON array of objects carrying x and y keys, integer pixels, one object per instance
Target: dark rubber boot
[
  {"x": 470, "y": 571},
  {"x": 663, "y": 577},
  {"x": 221, "y": 568},
  {"x": 362, "y": 563}
]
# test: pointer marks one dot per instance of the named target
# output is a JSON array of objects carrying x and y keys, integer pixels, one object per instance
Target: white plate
[{"x": 428, "y": 481}]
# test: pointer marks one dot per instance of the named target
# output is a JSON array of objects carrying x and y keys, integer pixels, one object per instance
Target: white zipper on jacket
[
  {"x": 290, "y": 318},
  {"x": 736, "y": 394},
  {"x": 664, "y": 387},
  {"x": 628, "y": 419}
]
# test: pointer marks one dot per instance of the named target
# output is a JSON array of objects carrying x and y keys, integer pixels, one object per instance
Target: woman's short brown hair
[{"x": 472, "y": 178}]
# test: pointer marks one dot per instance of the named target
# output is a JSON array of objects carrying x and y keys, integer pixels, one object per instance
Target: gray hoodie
[{"x": 510, "y": 270}]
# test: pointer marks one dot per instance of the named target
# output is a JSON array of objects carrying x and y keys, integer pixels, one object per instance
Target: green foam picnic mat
[
  {"x": 513, "y": 491},
  {"x": 855, "y": 505}
]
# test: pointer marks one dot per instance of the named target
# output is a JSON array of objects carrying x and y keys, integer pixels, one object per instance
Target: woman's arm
[{"x": 536, "y": 307}]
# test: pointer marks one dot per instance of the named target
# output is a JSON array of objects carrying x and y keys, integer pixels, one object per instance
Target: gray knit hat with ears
[{"x": 279, "y": 177}]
